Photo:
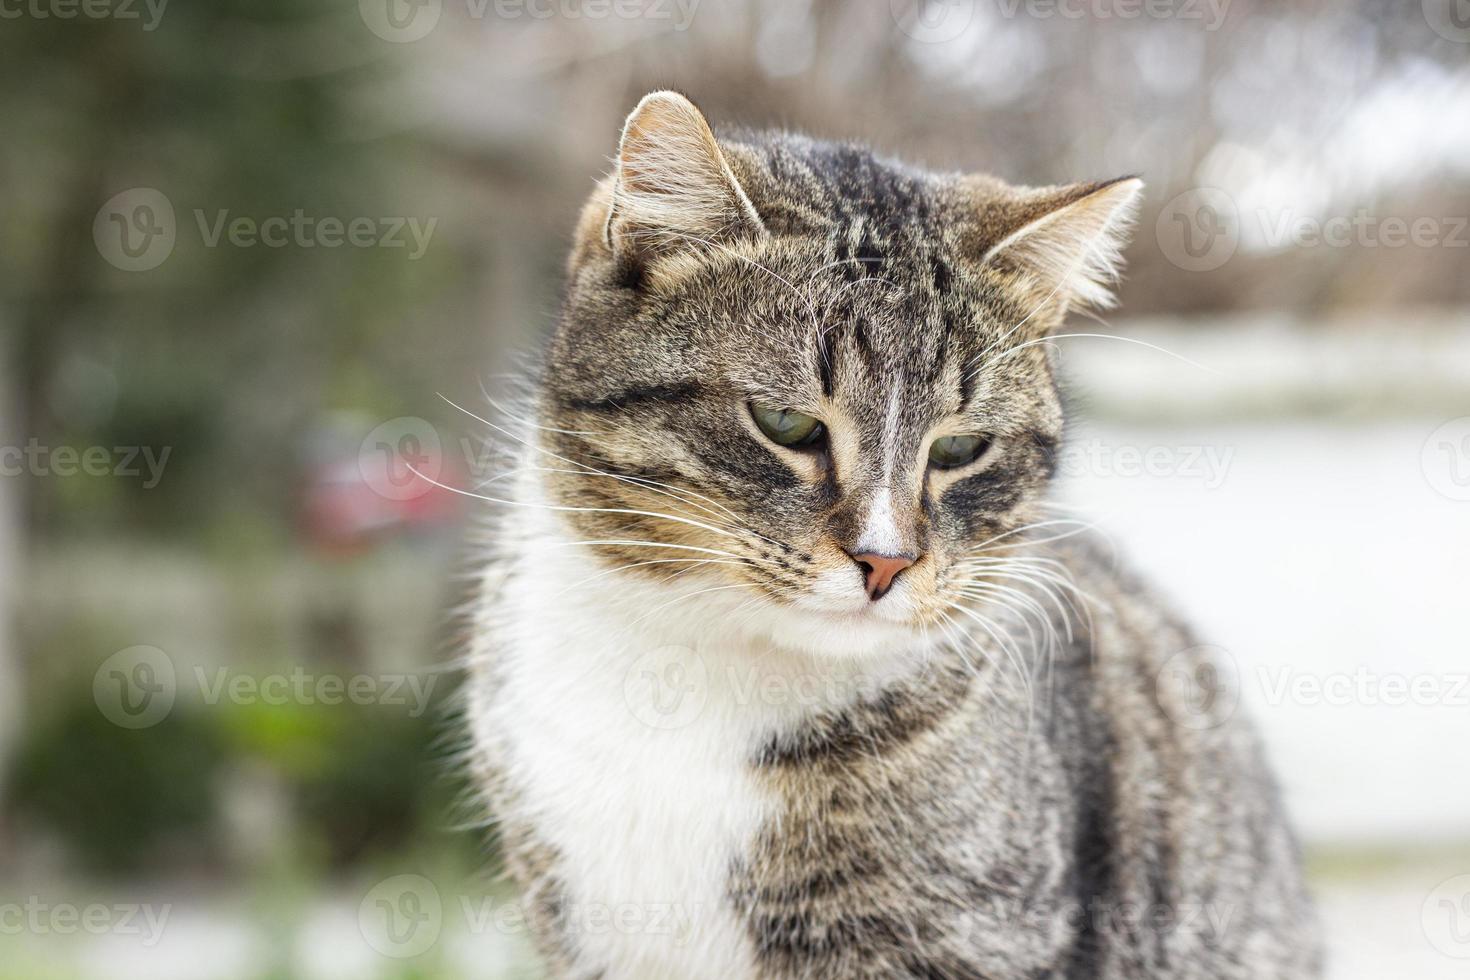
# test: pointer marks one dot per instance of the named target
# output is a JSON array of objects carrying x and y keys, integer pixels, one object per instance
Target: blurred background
[{"x": 253, "y": 254}]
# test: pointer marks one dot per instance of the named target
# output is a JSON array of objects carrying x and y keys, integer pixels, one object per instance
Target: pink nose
[{"x": 879, "y": 571}]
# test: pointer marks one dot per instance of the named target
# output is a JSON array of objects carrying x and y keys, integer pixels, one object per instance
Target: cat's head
[{"x": 810, "y": 380}]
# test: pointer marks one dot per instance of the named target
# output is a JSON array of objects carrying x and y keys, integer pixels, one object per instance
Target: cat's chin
[{"x": 859, "y": 634}]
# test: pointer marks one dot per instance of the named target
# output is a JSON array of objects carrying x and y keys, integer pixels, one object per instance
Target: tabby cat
[{"x": 786, "y": 667}]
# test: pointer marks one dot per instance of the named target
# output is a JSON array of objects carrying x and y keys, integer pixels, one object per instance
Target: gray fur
[{"x": 954, "y": 824}]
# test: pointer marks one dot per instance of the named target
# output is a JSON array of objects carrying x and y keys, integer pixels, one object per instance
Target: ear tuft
[
  {"x": 1072, "y": 238},
  {"x": 673, "y": 187}
]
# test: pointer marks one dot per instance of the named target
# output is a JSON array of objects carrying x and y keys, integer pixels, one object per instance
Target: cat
[{"x": 784, "y": 666}]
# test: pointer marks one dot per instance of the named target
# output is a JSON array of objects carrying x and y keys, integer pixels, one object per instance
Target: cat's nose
[{"x": 879, "y": 571}]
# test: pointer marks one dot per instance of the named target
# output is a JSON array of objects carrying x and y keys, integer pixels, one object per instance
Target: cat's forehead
[
  {"x": 838, "y": 190},
  {"x": 825, "y": 323}
]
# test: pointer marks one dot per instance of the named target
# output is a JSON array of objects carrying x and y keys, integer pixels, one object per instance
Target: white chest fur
[
  {"x": 629, "y": 745},
  {"x": 628, "y": 716}
]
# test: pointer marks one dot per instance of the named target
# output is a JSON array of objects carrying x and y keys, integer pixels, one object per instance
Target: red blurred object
[{"x": 345, "y": 512}]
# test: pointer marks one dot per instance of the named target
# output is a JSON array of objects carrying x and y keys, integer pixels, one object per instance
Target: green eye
[
  {"x": 949, "y": 452},
  {"x": 785, "y": 427}
]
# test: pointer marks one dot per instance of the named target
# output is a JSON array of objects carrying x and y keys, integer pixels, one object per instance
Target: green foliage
[
  {"x": 361, "y": 778},
  {"x": 221, "y": 354},
  {"x": 122, "y": 801},
  {"x": 358, "y": 780}
]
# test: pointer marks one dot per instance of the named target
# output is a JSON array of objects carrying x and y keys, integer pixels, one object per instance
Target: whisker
[
  {"x": 533, "y": 425},
  {"x": 570, "y": 509},
  {"x": 691, "y": 562},
  {"x": 544, "y": 451},
  {"x": 633, "y": 542},
  {"x": 639, "y": 482},
  {"x": 1104, "y": 336},
  {"x": 1042, "y": 579},
  {"x": 1083, "y": 527},
  {"x": 961, "y": 639},
  {"x": 1007, "y": 648}
]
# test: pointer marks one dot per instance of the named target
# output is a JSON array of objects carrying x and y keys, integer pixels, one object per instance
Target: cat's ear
[
  {"x": 673, "y": 188},
  {"x": 1067, "y": 240}
]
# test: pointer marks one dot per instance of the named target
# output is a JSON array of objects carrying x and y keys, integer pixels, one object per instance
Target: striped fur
[{"x": 684, "y": 701}]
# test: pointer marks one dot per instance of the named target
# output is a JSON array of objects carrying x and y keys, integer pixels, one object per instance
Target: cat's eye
[
  {"x": 951, "y": 452},
  {"x": 786, "y": 427}
]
